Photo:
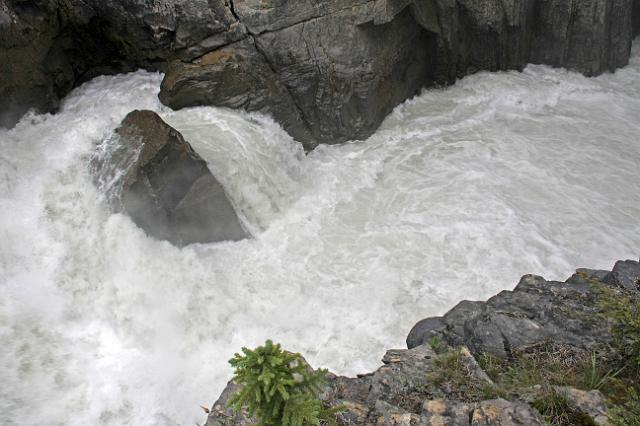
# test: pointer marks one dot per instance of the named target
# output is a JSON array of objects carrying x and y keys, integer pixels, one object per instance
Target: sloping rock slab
[
  {"x": 149, "y": 171},
  {"x": 536, "y": 310}
]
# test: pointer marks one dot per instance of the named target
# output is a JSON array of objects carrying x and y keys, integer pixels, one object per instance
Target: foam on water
[{"x": 460, "y": 192}]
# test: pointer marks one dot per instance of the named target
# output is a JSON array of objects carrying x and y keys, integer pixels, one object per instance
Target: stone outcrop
[
  {"x": 346, "y": 64},
  {"x": 424, "y": 385},
  {"x": 40, "y": 58},
  {"x": 327, "y": 70},
  {"x": 149, "y": 171},
  {"x": 535, "y": 310},
  {"x": 49, "y": 46},
  {"x": 338, "y": 75},
  {"x": 591, "y": 403}
]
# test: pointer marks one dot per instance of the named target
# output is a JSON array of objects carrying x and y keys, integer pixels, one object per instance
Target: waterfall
[{"x": 459, "y": 193}]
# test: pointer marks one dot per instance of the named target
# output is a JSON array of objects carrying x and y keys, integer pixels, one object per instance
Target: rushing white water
[{"x": 460, "y": 192}]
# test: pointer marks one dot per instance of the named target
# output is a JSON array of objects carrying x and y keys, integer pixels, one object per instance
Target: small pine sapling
[{"x": 279, "y": 388}]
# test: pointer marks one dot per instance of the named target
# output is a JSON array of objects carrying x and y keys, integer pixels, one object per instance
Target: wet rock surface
[
  {"x": 328, "y": 70},
  {"x": 534, "y": 311},
  {"x": 346, "y": 64},
  {"x": 149, "y": 171},
  {"x": 429, "y": 384}
]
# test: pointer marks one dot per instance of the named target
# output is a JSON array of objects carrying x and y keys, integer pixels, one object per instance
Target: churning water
[{"x": 460, "y": 192}]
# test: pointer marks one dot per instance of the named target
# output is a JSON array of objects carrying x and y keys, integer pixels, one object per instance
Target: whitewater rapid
[{"x": 459, "y": 193}]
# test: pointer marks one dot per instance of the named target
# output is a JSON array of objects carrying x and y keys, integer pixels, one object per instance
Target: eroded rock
[
  {"x": 625, "y": 274},
  {"x": 47, "y": 47},
  {"x": 235, "y": 76}
]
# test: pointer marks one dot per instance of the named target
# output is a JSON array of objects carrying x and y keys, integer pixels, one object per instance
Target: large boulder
[
  {"x": 149, "y": 171},
  {"x": 625, "y": 274}
]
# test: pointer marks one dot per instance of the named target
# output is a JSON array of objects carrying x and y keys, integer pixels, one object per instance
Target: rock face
[
  {"x": 152, "y": 173},
  {"x": 345, "y": 64},
  {"x": 327, "y": 70},
  {"x": 422, "y": 386},
  {"x": 534, "y": 311},
  {"x": 398, "y": 394},
  {"x": 49, "y": 46},
  {"x": 39, "y": 57},
  {"x": 337, "y": 75}
]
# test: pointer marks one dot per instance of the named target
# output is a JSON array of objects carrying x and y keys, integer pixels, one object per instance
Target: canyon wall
[{"x": 328, "y": 71}]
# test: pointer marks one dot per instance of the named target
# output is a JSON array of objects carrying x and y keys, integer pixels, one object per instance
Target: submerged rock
[{"x": 149, "y": 171}]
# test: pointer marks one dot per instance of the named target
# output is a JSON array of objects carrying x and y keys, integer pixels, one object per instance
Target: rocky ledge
[
  {"x": 499, "y": 362},
  {"x": 327, "y": 70}
]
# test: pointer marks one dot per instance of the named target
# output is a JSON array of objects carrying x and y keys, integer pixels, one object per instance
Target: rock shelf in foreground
[{"x": 447, "y": 377}]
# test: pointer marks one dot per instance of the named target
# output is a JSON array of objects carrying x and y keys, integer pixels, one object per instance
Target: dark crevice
[
  {"x": 232, "y": 8},
  {"x": 506, "y": 345},
  {"x": 301, "y": 22}
]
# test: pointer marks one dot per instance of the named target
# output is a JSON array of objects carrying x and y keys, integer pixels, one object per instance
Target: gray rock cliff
[
  {"x": 345, "y": 64},
  {"x": 327, "y": 70}
]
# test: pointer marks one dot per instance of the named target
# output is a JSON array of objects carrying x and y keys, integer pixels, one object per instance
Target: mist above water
[{"x": 460, "y": 192}]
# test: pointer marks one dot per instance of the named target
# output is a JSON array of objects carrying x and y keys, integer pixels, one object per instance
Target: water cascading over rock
[{"x": 149, "y": 171}]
